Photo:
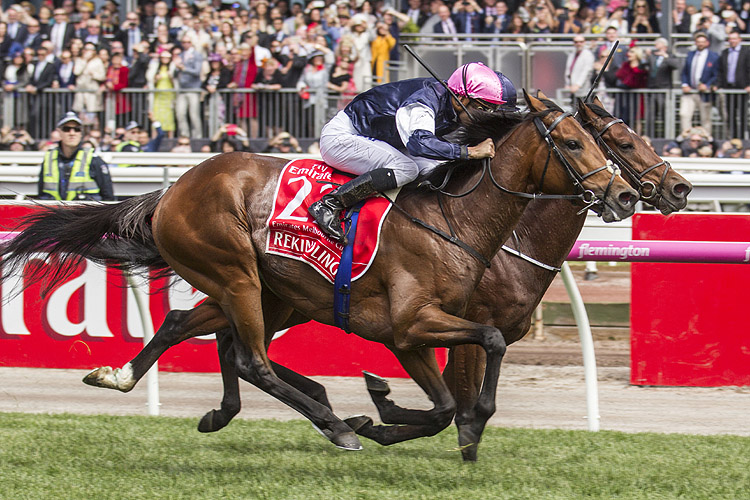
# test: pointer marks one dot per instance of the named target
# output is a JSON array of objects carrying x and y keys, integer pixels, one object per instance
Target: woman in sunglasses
[
  {"x": 71, "y": 171},
  {"x": 393, "y": 133}
]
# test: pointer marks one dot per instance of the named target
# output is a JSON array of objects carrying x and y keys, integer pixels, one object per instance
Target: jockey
[{"x": 392, "y": 133}]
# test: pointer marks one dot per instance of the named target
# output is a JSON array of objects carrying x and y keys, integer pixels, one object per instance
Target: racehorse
[
  {"x": 209, "y": 227},
  {"x": 506, "y": 297}
]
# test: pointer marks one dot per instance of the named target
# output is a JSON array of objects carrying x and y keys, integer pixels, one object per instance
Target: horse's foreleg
[
  {"x": 178, "y": 326},
  {"x": 423, "y": 369}
]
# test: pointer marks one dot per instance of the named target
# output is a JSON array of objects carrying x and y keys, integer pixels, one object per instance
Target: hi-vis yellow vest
[
  {"x": 80, "y": 181},
  {"x": 122, "y": 145}
]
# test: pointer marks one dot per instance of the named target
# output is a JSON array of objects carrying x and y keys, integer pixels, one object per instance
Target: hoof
[
  {"x": 346, "y": 440},
  {"x": 376, "y": 383},
  {"x": 358, "y": 422},
  {"x": 468, "y": 443},
  {"x": 213, "y": 421},
  {"x": 119, "y": 378}
]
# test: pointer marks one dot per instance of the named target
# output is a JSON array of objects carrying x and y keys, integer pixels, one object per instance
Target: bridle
[
  {"x": 646, "y": 189},
  {"x": 588, "y": 197}
]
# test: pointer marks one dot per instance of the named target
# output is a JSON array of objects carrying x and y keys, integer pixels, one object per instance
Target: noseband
[{"x": 635, "y": 175}]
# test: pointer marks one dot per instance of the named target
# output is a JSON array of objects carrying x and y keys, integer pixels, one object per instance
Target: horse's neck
[
  {"x": 487, "y": 216},
  {"x": 547, "y": 231}
]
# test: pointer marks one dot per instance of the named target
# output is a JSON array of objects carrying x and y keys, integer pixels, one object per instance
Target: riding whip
[
  {"x": 429, "y": 70},
  {"x": 601, "y": 71}
]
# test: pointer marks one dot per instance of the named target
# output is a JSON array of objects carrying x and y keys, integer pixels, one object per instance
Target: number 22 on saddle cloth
[{"x": 295, "y": 235}]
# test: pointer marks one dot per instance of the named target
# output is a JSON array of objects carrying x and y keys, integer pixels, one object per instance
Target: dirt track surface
[
  {"x": 531, "y": 396},
  {"x": 541, "y": 386}
]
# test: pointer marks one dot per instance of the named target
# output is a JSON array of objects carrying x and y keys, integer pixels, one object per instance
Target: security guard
[
  {"x": 70, "y": 172},
  {"x": 130, "y": 144}
]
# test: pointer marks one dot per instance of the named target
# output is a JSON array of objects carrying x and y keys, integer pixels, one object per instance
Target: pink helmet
[{"x": 477, "y": 81}]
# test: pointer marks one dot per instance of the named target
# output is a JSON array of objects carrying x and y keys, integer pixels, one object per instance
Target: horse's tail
[{"x": 117, "y": 234}]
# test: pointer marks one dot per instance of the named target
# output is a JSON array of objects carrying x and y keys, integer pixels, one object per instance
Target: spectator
[
  {"x": 680, "y": 17},
  {"x": 543, "y": 22},
  {"x": 65, "y": 79},
  {"x": 342, "y": 83},
  {"x": 631, "y": 75},
  {"x": 734, "y": 74},
  {"x": 467, "y": 17},
  {"x": 283, "y": 143},
  {"x": 517, "y": 26},
  {"x": 661, "y": 66},
  {"x": 700, "y": 72},
  {"x": 446, "y": 23},
  {"x": 244, "y": 75},
  {"x": 61, "y": 32},
  {"x": 293, "y": 62},
  {"x": 44, "y": 75},
  {"x": 362, "y": 36},
  {"x": 415, "y": 12},
  {"x": 621, "y": 54},
  {"x": 229, "y": 138},
  {"x": 131, "y": 35},
  {"x": 16, "y": 30},
  {"x": 218, "y": 77},
  {"x": 161, "y": 77},
  {"x": 35, "y": 37},
  {"x": 71, "y": 172},
  {"x": 617, "y": 18},
  {"x": 160, "y": 18},
  {"x": 579, "y": 65},
  {"x": 182, "y": 146},
  {"x": 641, "y": 19},
  {"x": 313, "y": 84},
  {"x": 713, "y": 29},
  {"x": 227, "y": 37},
  {"x": 17, "y": 139},
  {"x": 188, "y": 72},
  {"x": 600, "y": 20},
  {"x": 94, "y": 34},
  {"x": 138, "y": 69},
  {"x": 117, "y": 79},
  {"x": 696, "y": 138},
  {"x": 381, "y": 48},
  {"x": 267, "y": 82}
]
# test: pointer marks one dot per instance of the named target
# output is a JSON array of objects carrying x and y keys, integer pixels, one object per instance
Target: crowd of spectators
[{"x": 186, "y": 52}]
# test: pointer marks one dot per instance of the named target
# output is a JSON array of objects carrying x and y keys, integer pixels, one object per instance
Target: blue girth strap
[{"x": 342, "y": 285}]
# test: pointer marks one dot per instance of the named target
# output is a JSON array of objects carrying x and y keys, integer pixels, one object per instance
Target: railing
[{"x": 718, "y": 184}]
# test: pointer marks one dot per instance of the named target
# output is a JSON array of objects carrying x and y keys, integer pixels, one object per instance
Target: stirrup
[{"x": 326, "y": 213}]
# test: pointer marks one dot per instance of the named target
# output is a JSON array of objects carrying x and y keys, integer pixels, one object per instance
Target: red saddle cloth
[{"x": 294, "y": 234}]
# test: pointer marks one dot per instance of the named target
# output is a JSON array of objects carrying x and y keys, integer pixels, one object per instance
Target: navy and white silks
[{"x": 399, "y": 125}]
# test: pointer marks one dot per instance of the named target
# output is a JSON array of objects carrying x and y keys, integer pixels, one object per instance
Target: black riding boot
[{"x": 327, "y": 211}]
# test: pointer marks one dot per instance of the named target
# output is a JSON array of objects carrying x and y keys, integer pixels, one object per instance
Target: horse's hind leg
[
  {"x": 422, "y": 367},
  {"x": 230, "y": 402},
  {"x": 178, "y": 326}
]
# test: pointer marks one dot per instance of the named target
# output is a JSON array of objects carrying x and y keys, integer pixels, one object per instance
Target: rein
[{"x": 587, "y": 196}]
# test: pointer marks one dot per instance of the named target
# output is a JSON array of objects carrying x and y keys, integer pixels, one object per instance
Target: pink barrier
[{"x": 705, "y": 252}]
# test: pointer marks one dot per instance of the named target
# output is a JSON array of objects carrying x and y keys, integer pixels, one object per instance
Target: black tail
[{"x": 116, "y": 234}]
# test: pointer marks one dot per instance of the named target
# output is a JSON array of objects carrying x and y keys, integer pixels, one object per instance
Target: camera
[{"x": 286, "y": 141}]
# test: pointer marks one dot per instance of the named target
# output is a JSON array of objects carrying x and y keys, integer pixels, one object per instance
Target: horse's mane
[
  {"x": 599, "y": 111},
  {"x": 497, "y": 125}
]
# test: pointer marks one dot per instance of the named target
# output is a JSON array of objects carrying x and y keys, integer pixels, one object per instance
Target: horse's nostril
[
  {"x": 626, "y": 199},
  {"x": 681, "y": 189}
]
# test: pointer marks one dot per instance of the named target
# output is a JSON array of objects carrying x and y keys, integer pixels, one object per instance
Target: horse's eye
[
  {"x": 573, "y": 145},
  {"x": 627, "y": 146}
]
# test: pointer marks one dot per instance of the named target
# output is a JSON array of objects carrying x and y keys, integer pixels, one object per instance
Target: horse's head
[
  {"x": 657, "y": 183},
  {"x": 578, "y": 163}
]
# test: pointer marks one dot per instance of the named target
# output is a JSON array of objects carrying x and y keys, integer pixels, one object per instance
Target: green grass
[{"x": 129, "y": 458}]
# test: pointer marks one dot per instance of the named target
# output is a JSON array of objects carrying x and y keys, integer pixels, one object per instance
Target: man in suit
[
  {"x": 680, "y": 17},
  {"x": 16, "y": 30},
  {"x": 43, "y": 76},
  {"x": 495, "y": 18},
  {"x": 446, "y": 24},
  {"x": 700, "y": 72},
  {"x": 662, "y": 66},
  {"x": 61, "y": 32},
  {"x": 415, "y": 12},
  {"x": 578, "y": 68},
  {"x": 734, "y": 74},
  {"x": 34, "y": 38},
  {"x": 468, "y": 18}
]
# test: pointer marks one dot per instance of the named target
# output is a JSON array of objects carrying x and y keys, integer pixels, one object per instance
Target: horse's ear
[
  {"x": 583, "y": 109},
  {"x": 597, "y": 102},
  {"x": 533, "y": 103},
  {"x": 540, "y": 95}
]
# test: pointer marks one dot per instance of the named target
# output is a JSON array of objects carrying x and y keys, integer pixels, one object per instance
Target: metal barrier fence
[{"x": 531, "y": 61}]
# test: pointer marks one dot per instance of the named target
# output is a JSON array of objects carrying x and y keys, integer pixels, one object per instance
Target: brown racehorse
[
  {"x": 209, "y": 227},
  {"x": 506, "y": 297}
]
